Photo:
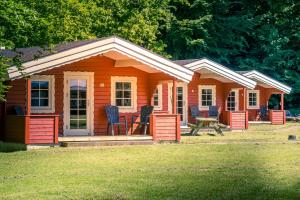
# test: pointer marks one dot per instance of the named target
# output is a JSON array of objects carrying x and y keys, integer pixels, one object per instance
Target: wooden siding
[
  {"x": 16, "y": 95},
  {"x": 15, "y": 129},
  {"x": 103, "y": 69},
  {"x": 277, "y": 117},
  {"x": 238, "y": 120},
  {"x": 165, "y": 127},
  {"x": 193, "y": 94},
  {"x": 43, "y": 129}
]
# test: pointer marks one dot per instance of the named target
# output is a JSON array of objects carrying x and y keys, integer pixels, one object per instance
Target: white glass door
[
  {"x": 77, "y": 108},
  {"x": 181, "y": 101}
]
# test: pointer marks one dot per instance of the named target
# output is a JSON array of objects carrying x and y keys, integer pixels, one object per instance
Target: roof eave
[
  {"x": 100, "y": 47},
  {"x": 269, "y": 81},
  {"x": 222, "y": 71}
]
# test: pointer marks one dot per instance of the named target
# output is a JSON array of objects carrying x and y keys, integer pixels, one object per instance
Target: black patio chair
[
  {"x": 19, "y": 111},
  {"x": 146, "y": 111},
  {"x": 113, "y": 118},
  {"x": 214, "y": 112},
  {"x": 263, "y": 113}
]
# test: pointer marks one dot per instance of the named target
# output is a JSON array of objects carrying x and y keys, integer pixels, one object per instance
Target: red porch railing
[
  {"x": 32, "y": 129},
  {"x": 277, "y": 116},
  {"x": 238, "y": 120},
  {"x": 165, "y": 127}
]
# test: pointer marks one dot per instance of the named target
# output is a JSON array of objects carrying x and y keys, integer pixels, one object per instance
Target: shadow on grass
[
  {"x": 7, "y": 147},
  {"x": 227, "y": 180}
]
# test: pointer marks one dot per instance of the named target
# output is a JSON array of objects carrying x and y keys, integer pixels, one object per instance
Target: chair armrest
[
  {"x": 124, "y": 116},
  {"x": 133, "y": 117}
]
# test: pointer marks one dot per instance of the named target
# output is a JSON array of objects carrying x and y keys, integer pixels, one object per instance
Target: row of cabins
[{"x": 64, "y": 91}]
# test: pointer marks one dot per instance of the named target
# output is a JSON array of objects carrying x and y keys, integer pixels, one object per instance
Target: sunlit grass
[
  {"x": 163, "y": 171},
  {"x": 262, "y": 133}
]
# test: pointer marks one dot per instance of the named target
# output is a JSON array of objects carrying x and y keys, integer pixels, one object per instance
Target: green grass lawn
[{"x": 234, "y": 166}]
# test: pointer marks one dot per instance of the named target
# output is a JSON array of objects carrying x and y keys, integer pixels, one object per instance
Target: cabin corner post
[
  {"x": 246, "y": 119},
  {"x": 282, "y": 107},
  {"x": 174, "y": 110},
  {"x": 28, "y": 96},
  {"x": 178, "y": 134},
  {"x": 28, "y": 111},
  {"x": 245, "y": 96},
  {"x": 56, "y": 121},
  {"x": 282, "y": 101},
  {"x": 153, "y": 127}
]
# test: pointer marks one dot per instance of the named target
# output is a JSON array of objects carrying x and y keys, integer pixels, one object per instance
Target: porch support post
[
  {"x": 244, "y": 94},
  {"x": 28, "y": 97},
  {"x": 282, "y": 101},
  {"x": 174, "y": 96},
  {"x": 28, "y": 110}
]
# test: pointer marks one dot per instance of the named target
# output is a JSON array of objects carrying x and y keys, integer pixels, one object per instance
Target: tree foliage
[{"x": 245, "y": 34}]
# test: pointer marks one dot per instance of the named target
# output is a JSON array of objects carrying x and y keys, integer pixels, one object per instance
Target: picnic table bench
[{"x": 212, "y": 122}]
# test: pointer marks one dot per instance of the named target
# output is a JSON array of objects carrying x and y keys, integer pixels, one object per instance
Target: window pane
[
  {"x": 82, "y": 84},
  {"x": 73, "y": 114},
  {"x": 203, "y": 91},
  {"x": 44, "y": 93},
  {"x": 82, "y": 94},
  {"x": 73, "y": 84},
  {"x": 34, "y": 102},
  {"x": 34, "y": 93},
  {"x": 44, "y": 102},
  {"x": 74, "y": 93},
  {"x": 73, "y": 124},
  {"x": 209, "y": 103},
  {"x": 179, "y": 110},
  {"x": 119, "y": 94},
  {"x": 35, "y": 85},
  {"x": 119, "y": 102},
  {"x": 127, "y": 86},
  {"x": 44, "y": 85},
  {"x": 127, "y": 94},
  {"x": 179, "y": 103},
  {"x": 82, "y": 114},
  {"x": 179, "y": 89},
  {"x": 209, "y": 97},
  {"x": 179, "y": 97},
  {"x": 204, "y": 103},
  {"x": 208, "y": 91},
  {"x": 119, "y": 86},
  {"x": 204, "y": 97},
  {"x": 82, "y": 124},
  {"x": 127, "y": 102},
  {"x": 73, "y": 103},
  {"x": 82, "y": 103}
]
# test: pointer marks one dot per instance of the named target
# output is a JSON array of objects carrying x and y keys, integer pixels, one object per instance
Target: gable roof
[
  {"x": 267, "y": 80},
  {"x": 72, "y": 52},
  {"x": 221, "y": 70},
  {"x": 185, "y": 62}
]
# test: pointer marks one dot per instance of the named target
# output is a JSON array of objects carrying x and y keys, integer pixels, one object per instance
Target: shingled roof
[{"x": 32, "y": 53}]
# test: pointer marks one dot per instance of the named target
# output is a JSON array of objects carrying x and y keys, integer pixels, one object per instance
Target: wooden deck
[{"x": 104, "y": 138}]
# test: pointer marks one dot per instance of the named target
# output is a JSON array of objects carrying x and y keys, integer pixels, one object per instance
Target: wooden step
[{"x": 105, "y": 143}]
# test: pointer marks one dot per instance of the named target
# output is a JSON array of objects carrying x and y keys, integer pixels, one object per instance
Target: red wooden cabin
[{"x": 63, "y": 92}]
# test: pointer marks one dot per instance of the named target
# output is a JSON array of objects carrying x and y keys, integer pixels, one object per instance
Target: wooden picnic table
[{"x": 212, "y": 122}]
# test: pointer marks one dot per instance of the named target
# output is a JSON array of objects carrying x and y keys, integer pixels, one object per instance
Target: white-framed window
[
  {"x": 253, "y": 99},
  {"x": 157, "y": 98},
  {"x": 124, "y": 93},
  {"x": 232, "y": 101},
  {"x": 42, "y": 94},
  {"x": 207, "y": 96}
]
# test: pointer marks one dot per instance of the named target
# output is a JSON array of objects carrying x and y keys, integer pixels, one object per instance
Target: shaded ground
[{"x": 164, "y": 171}]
